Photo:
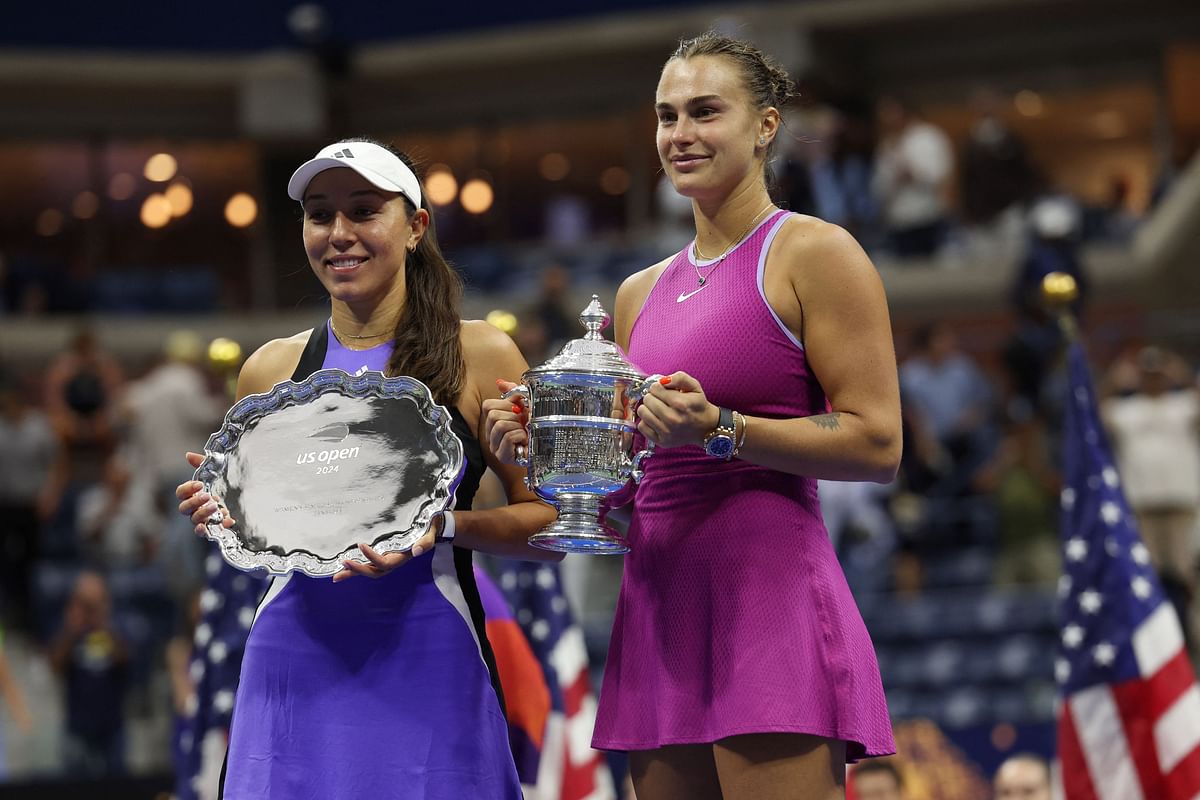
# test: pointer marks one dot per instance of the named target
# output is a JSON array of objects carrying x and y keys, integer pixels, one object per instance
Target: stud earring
[{"x": 762, "y": 140}]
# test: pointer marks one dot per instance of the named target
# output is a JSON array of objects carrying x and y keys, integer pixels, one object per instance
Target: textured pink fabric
[{"x": 734, "y": 615}]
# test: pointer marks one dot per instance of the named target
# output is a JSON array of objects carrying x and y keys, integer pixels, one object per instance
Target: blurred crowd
[
  {"x": 910, "y": 191},
  {"x": 102, "y": 579}
]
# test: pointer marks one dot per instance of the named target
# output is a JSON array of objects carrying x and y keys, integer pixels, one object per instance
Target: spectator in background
[
  {"x": 1025, "y": 485},
  {"x": 997, "y": 179},
  {"x": 1032, "y": 353},
  {"x": 14, "y": 700},
  {"x": 1053, "y": 247},
  {"x": 118, "y": 520},
  {"x": 170, "y": 411},
  {"x": 558, "y": 322},
  {"x": 1024, "y": 776},
  {"x": 83, "y": 386},
  {"x": 997, "y": 174},
  {"x": 1156, "y": 437},
  {"x": 914, "y": 163},
  {"x": 29, "y": 450},
  {"x": 877, "y": 779},
  {"x": 92, "y": 658},
  {"x": 826, "y": 169},
  {"x": 1114, "y": 220},
  {"x": 948, "y": 398}
]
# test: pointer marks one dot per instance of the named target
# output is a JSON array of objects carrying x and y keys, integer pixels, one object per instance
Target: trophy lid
[{"x": 593, "y": 354}]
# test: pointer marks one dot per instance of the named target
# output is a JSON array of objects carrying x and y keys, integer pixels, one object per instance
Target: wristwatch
[{"x": 720, "y": 442}]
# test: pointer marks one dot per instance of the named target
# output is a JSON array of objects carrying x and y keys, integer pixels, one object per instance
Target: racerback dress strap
[{"x": 313, "y": 357}]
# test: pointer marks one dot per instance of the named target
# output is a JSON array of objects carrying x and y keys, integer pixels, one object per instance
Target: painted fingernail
[
  {"x": 517, "y": 409},
  {"x": 664, "y": 380}
]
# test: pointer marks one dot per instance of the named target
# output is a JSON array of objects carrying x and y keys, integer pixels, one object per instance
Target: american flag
[
  {"x": 1129, "y": 716},
  {"x": 227, "y": 607},
  {"x": 569, "y": 769}
]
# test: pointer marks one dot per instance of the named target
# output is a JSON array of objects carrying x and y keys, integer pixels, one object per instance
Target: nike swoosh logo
[{"x": 685, "y": 296}]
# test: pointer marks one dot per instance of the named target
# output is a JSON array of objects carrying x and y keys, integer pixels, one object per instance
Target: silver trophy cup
[{"x": 581, "y": 409}]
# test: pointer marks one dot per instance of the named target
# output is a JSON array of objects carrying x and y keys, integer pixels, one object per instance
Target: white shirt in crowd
[
  {"x": 1157, "y": 442},
  {"x": 911, "y": 173}
]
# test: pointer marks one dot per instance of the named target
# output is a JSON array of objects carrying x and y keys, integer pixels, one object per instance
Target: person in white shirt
[
  {"x": 914, "y": 163},
  {"x": 1156, "y": 435}
]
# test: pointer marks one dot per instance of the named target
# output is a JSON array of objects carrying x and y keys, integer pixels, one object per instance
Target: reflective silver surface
[
  {"x": 310, "y": 469},
  {"x": 582, "y": 405}
]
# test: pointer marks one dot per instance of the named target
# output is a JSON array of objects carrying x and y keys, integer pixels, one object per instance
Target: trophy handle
[
  {"x": 642, "y": 389},
  {"x": 523, "y": 392},
  {"x": 638, "y": 471}
]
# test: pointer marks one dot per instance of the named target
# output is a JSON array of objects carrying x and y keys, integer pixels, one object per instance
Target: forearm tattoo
[{"x": 827, "y": 421}]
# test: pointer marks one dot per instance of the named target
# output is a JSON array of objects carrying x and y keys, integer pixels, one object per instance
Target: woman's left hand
[
  {"x": 380, "y": 564},
  {"x": 675, "y": 412}
]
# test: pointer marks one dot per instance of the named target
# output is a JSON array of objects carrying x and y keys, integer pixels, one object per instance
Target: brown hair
[
  {"x": 767, "y": 82},
  {"x": 426, "y": 341}
]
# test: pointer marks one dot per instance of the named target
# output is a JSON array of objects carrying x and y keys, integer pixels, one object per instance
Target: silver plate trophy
[
  {"x": 310, "y": 469},
  {"x": 581, "y": 406}
]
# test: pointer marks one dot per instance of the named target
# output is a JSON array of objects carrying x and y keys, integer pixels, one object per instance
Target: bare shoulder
[
  {"x": 490, "y": 354},
  {"x": 631, "y": 296},
  {"x": 275, "y": 361},
  {"x": 820, "y": 255},
  {"x": 483, "y": 342}
]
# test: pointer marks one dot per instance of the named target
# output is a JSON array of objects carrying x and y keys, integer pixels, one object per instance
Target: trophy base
[{"x": 578, "y": 529}]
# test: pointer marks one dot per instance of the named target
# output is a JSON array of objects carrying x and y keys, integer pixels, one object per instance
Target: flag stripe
[
  {"x": 1075, "y": 780},
  {"x": 1182, "y": 781},
  {"x": 1132, "y": 704},
  {"x": 569, "y": 656},
  {"x": 1157, "y": 640},
  {"x": 1105, "y": 748},
  {"x": 579, "y": 734},
  {"x": 1169, "y": 684},
  {"x": 1176, "y": 733}
]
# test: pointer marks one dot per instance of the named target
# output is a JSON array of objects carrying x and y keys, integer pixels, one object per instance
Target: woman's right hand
[
  {"x": 505, "y": 424},
  {"x": 197, "y": 503}
]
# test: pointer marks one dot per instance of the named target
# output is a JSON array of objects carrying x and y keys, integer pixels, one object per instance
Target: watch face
[{"x": 719, "y": 446}]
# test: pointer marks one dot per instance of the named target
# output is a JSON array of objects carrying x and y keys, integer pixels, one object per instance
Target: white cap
[
  {"x": 1055, "y": 217},
  {"x": 377, "y": 164}
]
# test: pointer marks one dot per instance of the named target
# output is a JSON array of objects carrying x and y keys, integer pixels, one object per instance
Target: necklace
[
  {"x": 702, "y": 279},
  {"x": 344, "y": 336}
]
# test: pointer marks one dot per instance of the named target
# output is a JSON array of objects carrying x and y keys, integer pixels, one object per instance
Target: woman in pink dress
[{"x": 739, "y": 665}]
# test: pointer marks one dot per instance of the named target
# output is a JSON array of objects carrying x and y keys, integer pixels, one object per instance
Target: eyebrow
[
  {"x": 355, "y": 193},
  {"x": 695, "y": 101}
]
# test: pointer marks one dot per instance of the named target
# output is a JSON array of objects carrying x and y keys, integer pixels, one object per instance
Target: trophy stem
[{"x": 578, "y": 528}]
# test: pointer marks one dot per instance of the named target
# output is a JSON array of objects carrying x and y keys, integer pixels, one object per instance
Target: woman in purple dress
[
  {"x": 383, "y": 688},
  {"x": 739, "y": 665}
]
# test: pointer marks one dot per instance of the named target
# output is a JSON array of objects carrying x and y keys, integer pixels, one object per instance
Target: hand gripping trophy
[{"x": 582, "y": 421}]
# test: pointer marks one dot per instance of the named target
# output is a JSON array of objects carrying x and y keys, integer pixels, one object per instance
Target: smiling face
[
  {"x": 357, "y": 235},
  {"x": 709, "y": 127}
]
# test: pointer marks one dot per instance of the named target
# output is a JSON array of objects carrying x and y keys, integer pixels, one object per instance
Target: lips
[
  {"x": 345, "y": 263},
  {"x": 687, "y": 161}
]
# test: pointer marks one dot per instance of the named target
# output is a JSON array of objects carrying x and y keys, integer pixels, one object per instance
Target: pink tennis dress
[{"x": 734, "y": 615}]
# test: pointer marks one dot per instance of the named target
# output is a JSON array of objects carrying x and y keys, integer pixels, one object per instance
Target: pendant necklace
[{"x": 701, "y": 280}]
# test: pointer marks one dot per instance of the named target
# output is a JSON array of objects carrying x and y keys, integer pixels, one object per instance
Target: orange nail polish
[
  {"x": 517, "y": 409},
  {"x": 665, "y": 380}
]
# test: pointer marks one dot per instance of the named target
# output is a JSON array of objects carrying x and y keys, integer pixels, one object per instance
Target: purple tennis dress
[
  {"x": 734, "y": 615},
  {"x": 372, "y": 688}
]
